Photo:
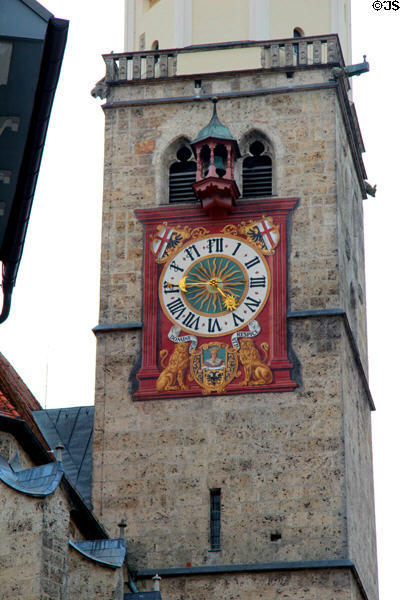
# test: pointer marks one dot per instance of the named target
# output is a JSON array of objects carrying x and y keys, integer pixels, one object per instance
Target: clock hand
[
  {"x": 220, "y": 291},
  {"x": 230, "y": 303},
  {"x": 229, "y": 300},
  {"x": 183, "y": 284}
]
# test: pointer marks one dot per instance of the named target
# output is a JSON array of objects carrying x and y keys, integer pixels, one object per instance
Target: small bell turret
[{"x": 216, "y": 151}]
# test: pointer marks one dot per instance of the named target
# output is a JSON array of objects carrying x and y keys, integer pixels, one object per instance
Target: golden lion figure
[
  {"x": 173, "y": 375},
  {"x": 256, "y": 371}
]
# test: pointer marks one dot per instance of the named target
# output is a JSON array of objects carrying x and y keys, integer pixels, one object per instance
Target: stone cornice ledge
[
  {"x": 110, "y": 327},
  {"x": 247, "y": 568}
]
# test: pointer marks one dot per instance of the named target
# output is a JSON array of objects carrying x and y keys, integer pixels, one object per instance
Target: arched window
[
  {"x": 182, "y": 174},
  {"x": 257, "y": 172},
  {"x": 298, "y": 32}
]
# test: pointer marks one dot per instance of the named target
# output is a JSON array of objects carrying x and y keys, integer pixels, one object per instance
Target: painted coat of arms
[{"x": 213, "y": 366}]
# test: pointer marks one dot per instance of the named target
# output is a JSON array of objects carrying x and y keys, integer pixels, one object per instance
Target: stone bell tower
[{"x": 234, "y": 435}]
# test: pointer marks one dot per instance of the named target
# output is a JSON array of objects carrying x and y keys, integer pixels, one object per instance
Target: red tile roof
[
  {"x": 7, "y": 408},
  {"x": 16, "y": 399}
]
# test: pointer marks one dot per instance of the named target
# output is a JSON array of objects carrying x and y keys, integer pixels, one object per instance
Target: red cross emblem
[
  {"x": 266, "y": 230},
  {"x": 160, "y": 241}
]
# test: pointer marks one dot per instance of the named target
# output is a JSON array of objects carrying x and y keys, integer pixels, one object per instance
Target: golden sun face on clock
[{"x": 214, "y": 286}]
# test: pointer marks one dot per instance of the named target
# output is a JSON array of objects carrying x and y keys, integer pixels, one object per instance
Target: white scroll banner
[
  {"x": 254, "y": 329},
  {"x": 176, "y": 338}
]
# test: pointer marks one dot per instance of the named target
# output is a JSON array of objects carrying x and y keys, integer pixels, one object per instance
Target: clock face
[{"x": 214, "y": 286}]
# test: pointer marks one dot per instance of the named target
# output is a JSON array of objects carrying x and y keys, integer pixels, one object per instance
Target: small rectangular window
[{"x": 215, "y": 519}]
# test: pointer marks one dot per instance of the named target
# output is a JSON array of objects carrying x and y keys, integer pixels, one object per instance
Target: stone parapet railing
[{"x": 283, "y": 54}]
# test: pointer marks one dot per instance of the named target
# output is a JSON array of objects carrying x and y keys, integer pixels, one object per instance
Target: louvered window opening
[
  {"x": 180, "y": 186},
  {"x": 215, "y": 519},
  {"x": 182, "y": 175},
  {"x": 257, "y": 181}
]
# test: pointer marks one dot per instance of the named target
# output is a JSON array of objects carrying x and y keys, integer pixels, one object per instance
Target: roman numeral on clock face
[
  {"x": 237, "y": 248},
  {"x": 192, "y": 252},
  {"x": 257, "y": 282},
  {"x": 213, "y": 325},
  {"x": 191, "y": 320},
  {"x": 175, "y": 267},
  {"x": 252, "y": 263},
  {"x": 170, "y": 288},
  {"x": 215, "y": 245},
  {"x": 252, "y": 304},
  {"x": 237, "y": 320},
  {"x": 176, "y": 308}
]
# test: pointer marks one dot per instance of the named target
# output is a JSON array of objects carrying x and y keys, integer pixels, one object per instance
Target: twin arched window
[{"x": 256, "y": 173}]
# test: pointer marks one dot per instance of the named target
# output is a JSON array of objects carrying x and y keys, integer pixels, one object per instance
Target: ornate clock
[
  {"x": 215, "y": 285},
  {"x": 214, "y": 305}
]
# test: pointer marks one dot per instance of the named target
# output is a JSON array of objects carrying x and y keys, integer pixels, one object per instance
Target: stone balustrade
[{"x": 283, "y": 54}]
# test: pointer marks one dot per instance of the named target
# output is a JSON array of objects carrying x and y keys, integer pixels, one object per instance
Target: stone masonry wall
[
  {"x": 279, "y": 459},
  {"x": 324, "y": 584},
  {"x": 350, "y": 224},
  {"x": 88, "y": 580},
  {"x": 359, "y": 477},
  {"x": 33, "y": 550},
  {"x": 36, "y": 561}
]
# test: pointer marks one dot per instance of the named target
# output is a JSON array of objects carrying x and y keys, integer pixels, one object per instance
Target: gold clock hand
[
  {"x": 229, "y": 300},
  {"x": 183, "y": 284}
]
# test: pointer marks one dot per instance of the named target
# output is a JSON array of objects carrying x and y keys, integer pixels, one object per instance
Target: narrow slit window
[{"x": 215, "y": 519}]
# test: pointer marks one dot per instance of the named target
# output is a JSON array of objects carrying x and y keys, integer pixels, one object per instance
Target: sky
[{"x": 48, "y": 337}]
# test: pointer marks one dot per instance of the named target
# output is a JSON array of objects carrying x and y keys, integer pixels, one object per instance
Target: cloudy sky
[{"x": 48, "y": 335}]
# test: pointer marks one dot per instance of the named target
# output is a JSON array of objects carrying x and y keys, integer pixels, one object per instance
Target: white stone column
[
  {"x": 183, "y": 23},
  {"x": 129, "y": 33},
  {"x": 259, "y": 19}
]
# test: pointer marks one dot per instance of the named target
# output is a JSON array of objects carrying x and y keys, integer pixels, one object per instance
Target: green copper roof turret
[{"x": 215, "y": 129}]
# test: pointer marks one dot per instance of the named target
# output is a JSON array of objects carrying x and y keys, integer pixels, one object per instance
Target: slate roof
[
  {"x": 38, "y": 481},
  {"x": 108, "y": 552},
  {"x": 74, "y": 428}
]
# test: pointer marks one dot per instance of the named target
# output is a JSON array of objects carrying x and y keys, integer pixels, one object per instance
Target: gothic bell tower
[{"x": 232, "y": 421}]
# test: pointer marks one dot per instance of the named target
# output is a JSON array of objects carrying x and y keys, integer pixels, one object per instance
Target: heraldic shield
[{"x": 213, "y": 366}]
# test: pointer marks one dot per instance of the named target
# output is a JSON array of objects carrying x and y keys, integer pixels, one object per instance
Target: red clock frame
[{"x": 272, "y": 319}]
